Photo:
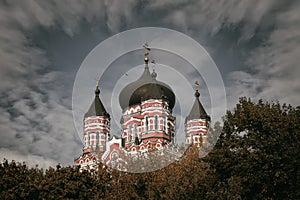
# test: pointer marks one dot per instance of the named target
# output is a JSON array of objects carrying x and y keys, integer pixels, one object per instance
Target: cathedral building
[{"x": 147, "y": 123}]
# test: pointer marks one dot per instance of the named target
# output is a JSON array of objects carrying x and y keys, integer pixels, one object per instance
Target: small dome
[
  {"x": 146, "y": 87},
  {"x": 154, "y": 75}
]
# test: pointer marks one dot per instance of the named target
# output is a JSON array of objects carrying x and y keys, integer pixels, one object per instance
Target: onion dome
[
  {"x": 146, "y": 87},
  {"x": 97, "y": 108},
  {"x": 197, "y": 111}
]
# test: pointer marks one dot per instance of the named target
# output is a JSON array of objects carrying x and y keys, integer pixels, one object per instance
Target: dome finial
[
  {"x": 197, "y": 94},
  {"x": 154, "y": 74},
  {"x": 147, "y": 49},
  {"x": 97, "y": 81},
  {"x": 97, "y": 91},
  {"x": 153, "y": 65}
]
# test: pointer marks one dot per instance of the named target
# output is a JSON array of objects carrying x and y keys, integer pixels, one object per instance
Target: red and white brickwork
[{"x": 147, "y": 124}]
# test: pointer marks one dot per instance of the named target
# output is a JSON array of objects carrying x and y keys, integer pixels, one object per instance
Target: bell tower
[
  {"x": 96, "y": 126},
  {"x": 197, "y": 122},
  {"x": 96, "y": 132}
]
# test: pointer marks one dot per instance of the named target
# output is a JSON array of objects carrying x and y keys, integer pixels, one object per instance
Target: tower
[
  {"x": 197, "y": 122},
  {"x": 147, "y": 105},
  {"x": 96, "y": 132}
]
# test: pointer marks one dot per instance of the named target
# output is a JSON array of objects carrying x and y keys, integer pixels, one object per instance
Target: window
[
  {"x": 146, "y": 124},
  {"x": 156, "y": 122}
]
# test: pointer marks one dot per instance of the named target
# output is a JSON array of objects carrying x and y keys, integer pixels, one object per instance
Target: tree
[
  {"x": 17, "y": 181},
  {"x": 257, "y": 155}
]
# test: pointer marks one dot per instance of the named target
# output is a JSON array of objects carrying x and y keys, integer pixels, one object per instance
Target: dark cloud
[{"x": 36, "y": 105}]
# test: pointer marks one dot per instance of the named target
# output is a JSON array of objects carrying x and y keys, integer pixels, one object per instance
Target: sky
[{"x": 254, "y": 44}]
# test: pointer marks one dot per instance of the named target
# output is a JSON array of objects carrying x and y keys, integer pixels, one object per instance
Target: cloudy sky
[{"x": 255, "y": 44}]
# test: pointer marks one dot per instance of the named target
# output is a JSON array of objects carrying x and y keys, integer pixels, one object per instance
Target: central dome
[{"x": 146, "y": 87}]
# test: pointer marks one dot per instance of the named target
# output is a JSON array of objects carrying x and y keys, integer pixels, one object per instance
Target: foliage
[
  {"x": 257, "y": 154},
  {"x": 256, "y": 157}
]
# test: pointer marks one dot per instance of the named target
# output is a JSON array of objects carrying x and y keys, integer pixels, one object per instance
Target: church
[{"x": 147, "y": 123}]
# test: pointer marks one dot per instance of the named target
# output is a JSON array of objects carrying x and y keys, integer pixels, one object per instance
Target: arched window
[
  {"x": 146, "y": 121},
  {"x": 97, "y": 138},
  {"x": 156, "y": 122}
]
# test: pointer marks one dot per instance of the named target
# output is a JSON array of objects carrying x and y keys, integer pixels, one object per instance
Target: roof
[
  {"x": 96, "y": 108},
  {"x": 146, "y": 87},
  {"x": 197, "y": 111}
]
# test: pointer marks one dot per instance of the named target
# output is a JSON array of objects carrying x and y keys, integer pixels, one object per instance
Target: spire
[
  {"x": 197, "y": 111},
  {"x": 197, "y": 94},
  {"x": 96, "y": 108},
  {"x": 146, "y": 75},
  {"x": 97, "y": 91}
]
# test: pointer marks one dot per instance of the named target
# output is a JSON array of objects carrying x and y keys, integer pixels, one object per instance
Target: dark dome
[
  {"x": 197, "y": 111},
  {"x": 96, "y": 108},
  {"x": 146, "y": 87},
  {"x": 152, "y": 91}
]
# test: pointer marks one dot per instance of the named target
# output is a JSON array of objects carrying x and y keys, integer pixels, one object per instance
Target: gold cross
[
  {"x": 147, "y": 49},
  {"x": 97, "y": 81},
  {"x": 197, "y": 85}
]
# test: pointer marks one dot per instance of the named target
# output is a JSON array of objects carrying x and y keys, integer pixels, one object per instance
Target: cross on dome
[
  {"x": 97, "y": 81},
  {"x": 147, "y": 49},
  {"x": 197, "y": 94}
]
